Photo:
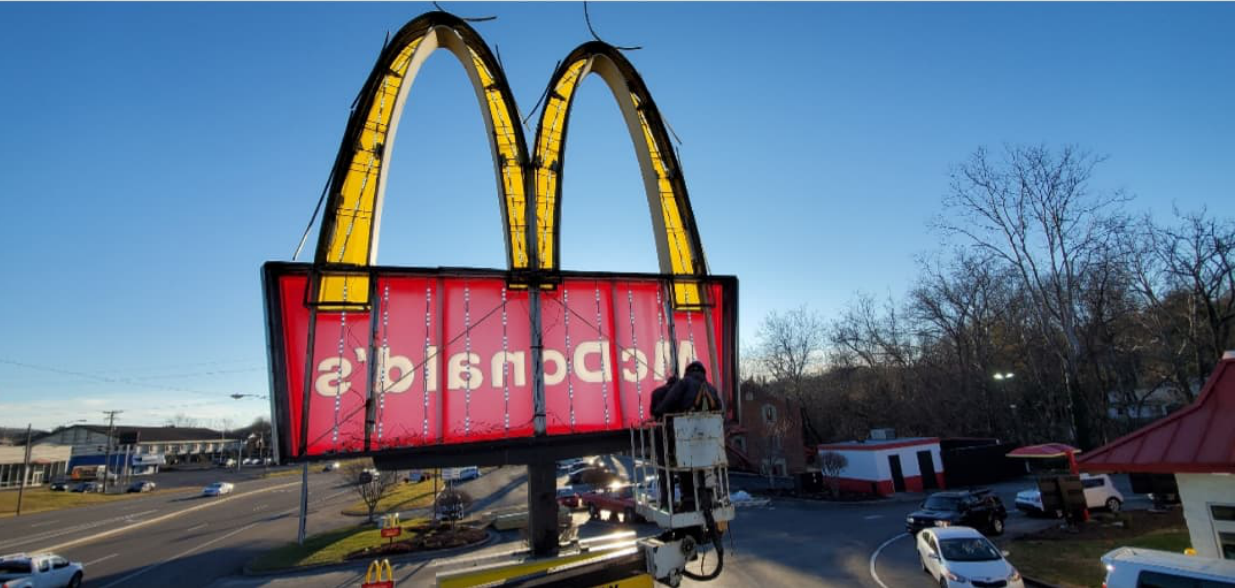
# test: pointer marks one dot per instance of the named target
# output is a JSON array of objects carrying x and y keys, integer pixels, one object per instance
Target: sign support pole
[{"x": 304, "y": 500}]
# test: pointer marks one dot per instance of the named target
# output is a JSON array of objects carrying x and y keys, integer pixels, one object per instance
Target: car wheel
[
  {"x": 628, "y": 516},
  {"x": 943, "y": 582},
  {"x": 997, "y": 526},
  {"x": 1113, "y": 504},
  {"x": 76, "y": 581},
  {"x": 593, "y": 512}
]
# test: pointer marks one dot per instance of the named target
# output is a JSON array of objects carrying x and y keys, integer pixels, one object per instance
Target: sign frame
[{"x": 505, "y": 451}]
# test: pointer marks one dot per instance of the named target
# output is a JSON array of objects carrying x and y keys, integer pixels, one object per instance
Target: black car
[
  {"x": 979, "y": 509},
  {"x": 59, "y": 485}
]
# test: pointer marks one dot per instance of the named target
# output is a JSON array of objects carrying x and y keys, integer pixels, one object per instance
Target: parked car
[
  {"x": 59, "y": 485},
  {"x": 368, "y": 475},
  {"x": 141, "y": 486},
  {"x": 218, "y": 488},
  {"x": 461, "y": 474},
  {"x": 969, "y": 508},
  {"x": 1100, "y": 492},
  {"x": 569, "y": 496},
  {"x": 330, "y": 467},
  {"x": 616, "y": 500},
  {"x": 40, "y": 570},
  {"x": 1129, "y": 567},
  {"x": 961, "y": 556},
  {"x": 88, "y": 487},
  {"x": 225, "y": 463},
  {"x": 414, "y": 476}
]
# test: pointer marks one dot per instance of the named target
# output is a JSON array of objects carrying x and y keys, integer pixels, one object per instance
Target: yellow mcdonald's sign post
[
  {"x": 390, "y": 527},
  {"x": 379, "y": 575}
]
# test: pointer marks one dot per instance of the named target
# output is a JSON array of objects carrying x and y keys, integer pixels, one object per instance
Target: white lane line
[
  {"x": 872, "y": 517},
  {"x": 187, "y": 552},
  {"x": 63, "y": 546},
  {"x": 196, "y": 527},
  {"x": 44, "y": 523},
  {"x": 874, "y": 556},
  {"x": 101, "y": 559}
]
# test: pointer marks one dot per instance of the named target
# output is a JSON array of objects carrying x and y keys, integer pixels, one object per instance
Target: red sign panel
[
  {"x": 391, "y": 532},
  {"x": 447, "y": 358}
]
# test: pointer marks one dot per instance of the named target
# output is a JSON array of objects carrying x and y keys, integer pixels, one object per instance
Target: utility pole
[
  {"x": 111, "y": 435},
  {"x": 25, "y": 472}
]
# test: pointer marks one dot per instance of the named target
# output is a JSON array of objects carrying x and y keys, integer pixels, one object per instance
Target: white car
[
  {"x": 218, "y": 488},
  {"x": 1129, "y": 567},
  {"x": 1100, "y": 492},
  {"x": 961, "y": 556},
  {"x": 40, "y": 570},
  {"x": 461, "y": 474}
]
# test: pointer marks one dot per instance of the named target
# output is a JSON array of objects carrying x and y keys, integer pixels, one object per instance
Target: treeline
[{"x": 1054, "y": 315}]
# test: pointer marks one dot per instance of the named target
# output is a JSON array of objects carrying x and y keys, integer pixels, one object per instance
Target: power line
[{"x": 107, "y": 379}]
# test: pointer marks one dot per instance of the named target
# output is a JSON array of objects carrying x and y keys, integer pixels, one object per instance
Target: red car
[
  {"x": 615, "y": 500},
  {"x": 568, "y": 496}
]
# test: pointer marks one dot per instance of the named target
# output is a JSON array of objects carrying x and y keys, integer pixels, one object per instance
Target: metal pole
[
  {"x": 25, "y": 472},
  {"x": 304, "y": 500},
  {"x": 111, "y": 435}
]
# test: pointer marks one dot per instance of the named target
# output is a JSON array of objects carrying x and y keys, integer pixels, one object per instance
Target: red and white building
[
  {"x": 884, "y": 467},
  {"x": 1197, "y": 445}
]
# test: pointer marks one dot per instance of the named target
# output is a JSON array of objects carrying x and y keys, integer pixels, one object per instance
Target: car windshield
[
  {"x": 942, "y": 503},
  {"x": 16, "y": 567},
  {"x": 969, "y": 549}
]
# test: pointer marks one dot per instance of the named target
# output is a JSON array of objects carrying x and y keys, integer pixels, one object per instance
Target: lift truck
[{"x": 681, "y": 480}]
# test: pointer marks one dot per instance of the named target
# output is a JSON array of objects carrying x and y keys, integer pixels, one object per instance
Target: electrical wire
[
  {"x": 587, "y": 17},
  {"x": 465, "y": 18}
]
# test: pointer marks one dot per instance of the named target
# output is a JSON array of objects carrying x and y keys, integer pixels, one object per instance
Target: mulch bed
[
  {"x": 1111, "y": 526},
  {"x": 427, "y": 537}
]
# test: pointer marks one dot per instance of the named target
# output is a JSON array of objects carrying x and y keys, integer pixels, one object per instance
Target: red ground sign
[{"x": 445, "y": 358}]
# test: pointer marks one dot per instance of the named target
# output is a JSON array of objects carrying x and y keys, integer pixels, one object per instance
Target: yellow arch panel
[
  {"x": 678, "y": 244},
  {"x": 350, "y": 227}
]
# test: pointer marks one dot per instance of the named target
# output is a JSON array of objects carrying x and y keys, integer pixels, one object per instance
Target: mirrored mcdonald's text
[
  {"x": 589, "y": 363},
  {"x": 447, "y": 359}
]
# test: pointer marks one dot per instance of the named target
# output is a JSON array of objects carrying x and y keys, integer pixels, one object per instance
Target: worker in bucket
[{"x": 692, "y": 393}]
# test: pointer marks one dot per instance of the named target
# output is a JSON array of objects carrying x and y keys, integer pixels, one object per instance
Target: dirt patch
[{"x": 427, "y": 537}]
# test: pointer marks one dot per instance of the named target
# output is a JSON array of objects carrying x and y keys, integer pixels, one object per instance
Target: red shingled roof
[
  {"x": 1197, "y": 439},
  {"x": 1045, "y": 450}
]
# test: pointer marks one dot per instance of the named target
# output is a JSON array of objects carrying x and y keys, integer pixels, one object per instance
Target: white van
[
  {"x": 1133, "y": 567},
  {"x": 1100, "y": 492},
  {"x": 461, "y": 474}
]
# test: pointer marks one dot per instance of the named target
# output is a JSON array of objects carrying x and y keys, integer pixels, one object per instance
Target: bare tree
[
  {"x": 370, "y": 484},
  {"x": 831, "y": 464},
  {"x": 1200, "y": 257},
  {"x": 790, "y": 348},
  {"x": 1035, "y": 211},
  {"x": 181, "y": 420}
]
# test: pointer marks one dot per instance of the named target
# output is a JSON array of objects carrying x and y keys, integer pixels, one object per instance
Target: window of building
[
  {"x": 739, "y": 441},
  {"x": 769, "y": 414},
  {"x": 1224, "y": 528}
]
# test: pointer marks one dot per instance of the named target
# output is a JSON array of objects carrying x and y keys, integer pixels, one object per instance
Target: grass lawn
[
  {"x": 329, "y": 548},
  {"x": 1075, "y": 560},
  {"x": 401, "y": 497},
  {"x": 42, "y": 499}
]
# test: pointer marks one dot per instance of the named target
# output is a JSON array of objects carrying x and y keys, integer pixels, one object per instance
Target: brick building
[{"x": 769, "y": 438}]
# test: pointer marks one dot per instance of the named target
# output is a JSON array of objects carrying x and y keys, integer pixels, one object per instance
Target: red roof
[
  {"x": 1197, "y": 439},
  {"x": 1045, "y": 450}
]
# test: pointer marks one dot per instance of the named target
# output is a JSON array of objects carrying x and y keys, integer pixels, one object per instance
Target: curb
[
  {"x": 157, "y": 519},
  {"x": 247, "y": 572}
]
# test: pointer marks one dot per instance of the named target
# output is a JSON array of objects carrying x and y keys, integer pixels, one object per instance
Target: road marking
[
  {"x": 872, "y": 517},
  {"x": 194, "y": 528},
  {"x": 101, "y": 559},
  {"x": 874, "y": 556},
  {"x": 187, "y": 552},
  {"x": 63, "y": 546},
  {"x": 46, "y": 535},
  {"x": 45, "y": 523}
]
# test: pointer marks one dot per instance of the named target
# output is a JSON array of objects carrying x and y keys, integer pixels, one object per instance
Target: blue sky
[{"x": 152, "y": 156}]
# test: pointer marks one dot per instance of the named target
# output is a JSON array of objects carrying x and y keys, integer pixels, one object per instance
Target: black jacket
[{"x": 692, "y": 393}]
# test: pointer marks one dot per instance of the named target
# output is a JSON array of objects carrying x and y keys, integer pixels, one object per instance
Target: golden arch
[
  {"x": 349, "y": 233},
  {"x": 678, "y": 246}
]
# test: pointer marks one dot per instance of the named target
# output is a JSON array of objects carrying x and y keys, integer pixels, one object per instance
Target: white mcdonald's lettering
[{"x": 463, "y": 370}]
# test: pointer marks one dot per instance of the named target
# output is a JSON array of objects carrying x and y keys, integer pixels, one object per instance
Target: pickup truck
[{"x": 40, "y": 570}]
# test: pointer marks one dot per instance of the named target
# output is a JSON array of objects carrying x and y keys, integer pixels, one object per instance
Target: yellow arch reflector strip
[
  {"x": 548, "y": 170},
  {"x": 355, "y": 214}
]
